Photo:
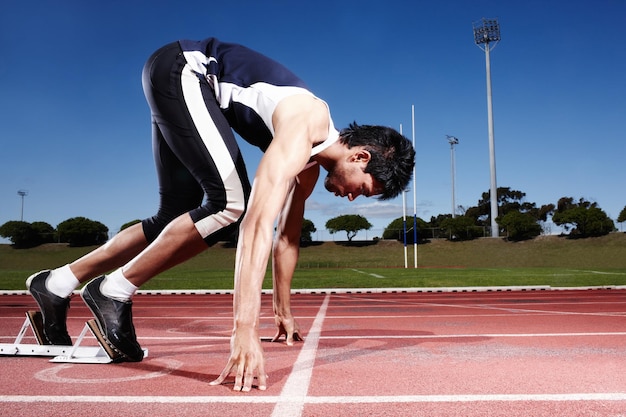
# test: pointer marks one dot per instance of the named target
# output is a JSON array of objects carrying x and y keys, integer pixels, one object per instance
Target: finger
[
  {"x": 262, "y": 377},
  {"x": 248, "y": 379},
  {"x": 223, "y": 375},
  {"x": 239, "y": 378},
  {"x": 277, "y": 336},
  {"x": 217, "y": 381},
  {"x": 294, "y": 337}
]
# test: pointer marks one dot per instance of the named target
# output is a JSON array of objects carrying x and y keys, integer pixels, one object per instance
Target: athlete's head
[{"x": 391, "y": 159}]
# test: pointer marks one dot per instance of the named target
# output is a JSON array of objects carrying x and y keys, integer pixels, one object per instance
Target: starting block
[{"x": 102, "y": 353}]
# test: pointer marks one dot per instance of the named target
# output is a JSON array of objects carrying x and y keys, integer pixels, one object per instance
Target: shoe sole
[
  {"x": 36, "y": 323},
  {"x": 114, "y": 353}
]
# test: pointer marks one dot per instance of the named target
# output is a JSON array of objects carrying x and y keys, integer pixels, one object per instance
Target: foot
[
  {"x": 114, "y": 319},
  {"x": 53, "y": 309}
]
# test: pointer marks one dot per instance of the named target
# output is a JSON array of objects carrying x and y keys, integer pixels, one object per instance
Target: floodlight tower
[
  {"x": 486, "y": 37},
  {"x": 22, "y": 193},
  {"x": 452, "y": 141}
]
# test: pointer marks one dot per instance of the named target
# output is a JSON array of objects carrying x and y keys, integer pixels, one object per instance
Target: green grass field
[{"x": 548, "y": 260}]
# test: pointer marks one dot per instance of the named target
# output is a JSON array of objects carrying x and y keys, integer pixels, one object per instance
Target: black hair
[{"x": 393, "y": 156}]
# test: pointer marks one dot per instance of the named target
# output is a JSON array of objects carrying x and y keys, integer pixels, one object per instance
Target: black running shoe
[
  {"x": 115, "y": 320},
  {"x": 53, "y": 309}
]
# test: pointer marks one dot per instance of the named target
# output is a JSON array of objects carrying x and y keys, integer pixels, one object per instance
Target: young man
[{"x": 198, "y": 92}]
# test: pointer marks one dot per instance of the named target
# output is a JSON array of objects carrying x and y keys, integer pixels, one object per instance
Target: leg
[
  {"x": 109, "y": 297},
  {"x": 196, "y": 154},
  {"x": 116, "y": 252},
  {"x": 178, "y": 242}
]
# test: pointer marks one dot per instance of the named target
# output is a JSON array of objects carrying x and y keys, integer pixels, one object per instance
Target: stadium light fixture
[
  {"x": 486, "y": 30},
  {"x": 486, "y": 37},
  {"x": 22, "y": 193},
  {"x": 452, "y": 141}
]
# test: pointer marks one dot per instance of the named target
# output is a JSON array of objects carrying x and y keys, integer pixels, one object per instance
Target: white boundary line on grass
[{"x": 393, "y": 290}]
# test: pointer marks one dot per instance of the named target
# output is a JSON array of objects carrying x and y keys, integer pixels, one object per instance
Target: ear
[{"x": 361, "y": 155}]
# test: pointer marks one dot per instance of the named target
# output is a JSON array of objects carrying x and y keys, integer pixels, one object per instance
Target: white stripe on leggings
[{"x": 212, "y": 139}]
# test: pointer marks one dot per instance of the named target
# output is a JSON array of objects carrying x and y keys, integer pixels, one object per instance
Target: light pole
[
  {"x": 22, "y": 193},
  {"x": 452, "y": 141},
  {"x": 486, "y": 37}
]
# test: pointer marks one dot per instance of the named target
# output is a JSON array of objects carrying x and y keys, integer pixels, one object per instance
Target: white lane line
[
  {"x": 415, "y": 336},
  {"x": 370, "y": 336},
  {"x": 467, "y": 398},
  {"x": 574, "y": 397},
  {"x": 489, "y": 335},
  {"x": 294, "y": 394},
  {"x": 419, "y": 336},
  {"x": 488, "y": 307}
]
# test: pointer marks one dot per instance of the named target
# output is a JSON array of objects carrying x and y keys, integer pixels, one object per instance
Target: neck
[{"x": 329, "y": 156}]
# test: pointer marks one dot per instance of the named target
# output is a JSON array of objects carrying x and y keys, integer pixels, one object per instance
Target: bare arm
[
  {"x": 285, "y": 253},
  {"x": 299, "y": 122}
]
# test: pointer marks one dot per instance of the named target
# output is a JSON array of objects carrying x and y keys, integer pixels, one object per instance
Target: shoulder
[{"x": 303, "y": 110}]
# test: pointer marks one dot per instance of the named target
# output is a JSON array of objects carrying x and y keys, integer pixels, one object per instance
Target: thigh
[
  {"x": 192, "y": 133},
  {"x": 178, "y": 188}
]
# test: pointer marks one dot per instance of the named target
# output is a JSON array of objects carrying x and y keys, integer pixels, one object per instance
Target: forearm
[
  {"x": 287, "y": 243},
  {"x": 272, "y": 193},
  {"x": 285, "y": 258},
  {"x": 251, "y": 263}
]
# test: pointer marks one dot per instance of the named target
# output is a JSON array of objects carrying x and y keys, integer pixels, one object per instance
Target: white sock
[
  {"x": 62, "y": 281},
  {"x": 117, "y": 287}
]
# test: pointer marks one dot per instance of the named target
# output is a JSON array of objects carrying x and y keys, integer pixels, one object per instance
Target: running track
[{"x": 522, "y": 352}]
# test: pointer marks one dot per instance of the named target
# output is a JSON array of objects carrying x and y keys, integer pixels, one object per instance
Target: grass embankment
[{"x": 548, "y": 260}]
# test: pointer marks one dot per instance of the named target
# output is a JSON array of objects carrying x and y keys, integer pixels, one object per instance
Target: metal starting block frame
[{"x": 59, "y": 353}]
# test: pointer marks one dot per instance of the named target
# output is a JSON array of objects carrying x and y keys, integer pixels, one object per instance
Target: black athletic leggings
[{"x": 199, "y": 165}]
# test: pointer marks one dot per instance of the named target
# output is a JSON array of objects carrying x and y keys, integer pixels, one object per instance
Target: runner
[{"x": 199, "y": 92}]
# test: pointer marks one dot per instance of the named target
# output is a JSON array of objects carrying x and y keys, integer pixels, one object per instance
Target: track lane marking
[
  {"x": 431, "y": 336},
  {"x": 370, "y": 399},
  {"x": 294, "y": 394}
]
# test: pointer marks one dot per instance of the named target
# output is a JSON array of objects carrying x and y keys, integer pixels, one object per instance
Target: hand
[
  {"x": 246, "y": 357},
  {"x": 287, "y": 326}
]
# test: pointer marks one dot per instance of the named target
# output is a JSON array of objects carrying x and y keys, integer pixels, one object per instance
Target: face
[{"x": 347, "y": 179}]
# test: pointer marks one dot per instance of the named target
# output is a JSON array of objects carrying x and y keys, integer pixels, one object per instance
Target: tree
[
  {"x": 461, "y": 228},
  {"x": 582, "y": 218},
  {"x": 622, "y": 215},
  {"x": 437, "y": 230},
  {"x": 545, "y": 211},
  {"x": 22, "y": 234},
  {"x": 46, "y": 232},
  {"x": 27, "y": 235},
  {"x": 350, "y": 223},
  {"x": 307, "y": 229},
  {"x": 395, "y": 230},
  {"x": 80, "y": 231},
  {"x": 508, "y": 201},
  {"x": 519, "y": 226}
]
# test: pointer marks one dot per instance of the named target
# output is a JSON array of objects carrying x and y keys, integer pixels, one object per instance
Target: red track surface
[{"x": 518, "y": 353}]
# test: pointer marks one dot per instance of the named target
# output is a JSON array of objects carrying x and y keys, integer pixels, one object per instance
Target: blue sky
[{"x": 75, "y": 128}]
